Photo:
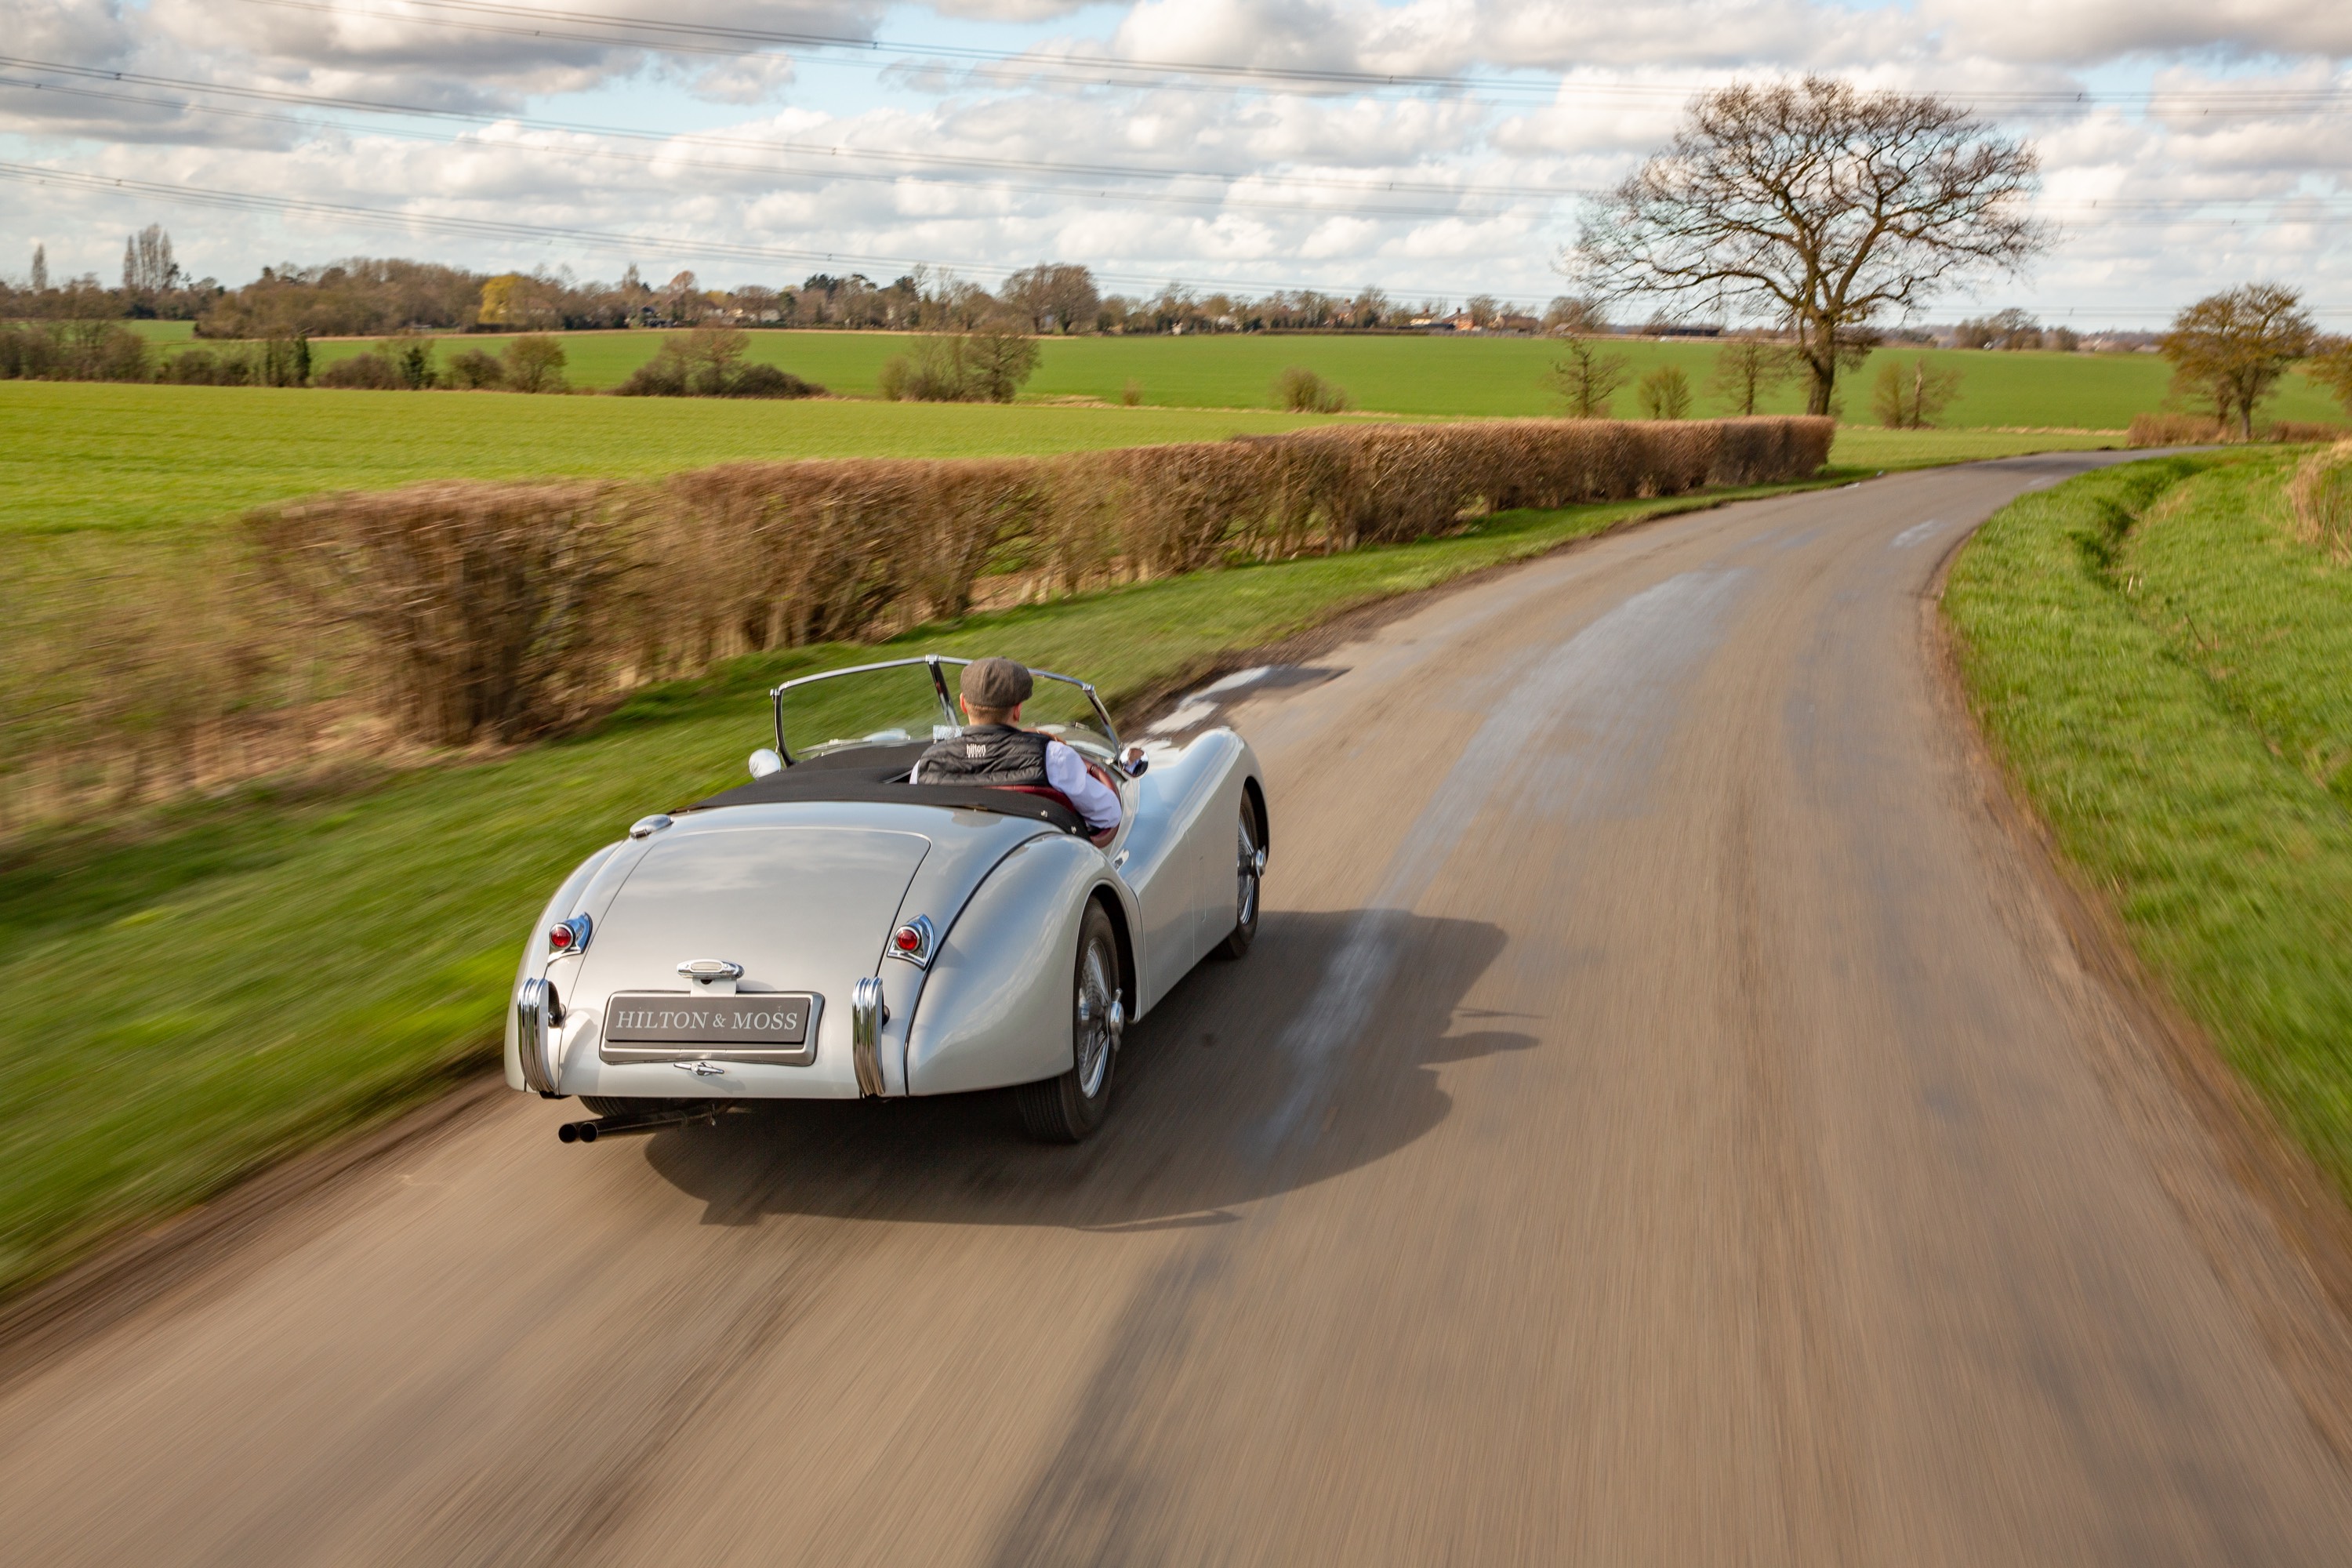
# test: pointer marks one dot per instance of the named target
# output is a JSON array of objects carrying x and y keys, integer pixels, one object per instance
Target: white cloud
[
  {"x": 1010, "y": 10},
  {"x": 748, "y": 78},
  {"x": 1329, "y": 185},
  {"x": 2085, "y": 32}
]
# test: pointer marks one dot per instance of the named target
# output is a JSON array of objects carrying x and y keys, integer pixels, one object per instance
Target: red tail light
[{"x": 913, "y": 942}]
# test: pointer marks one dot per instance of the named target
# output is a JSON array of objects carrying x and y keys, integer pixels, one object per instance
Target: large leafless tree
[
  {"x": 2232, "y": 348},
  {"x": 1820, "y": 206}
]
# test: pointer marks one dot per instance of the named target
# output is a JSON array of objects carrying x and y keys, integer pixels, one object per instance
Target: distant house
[{"x": 1460, "y": 322}]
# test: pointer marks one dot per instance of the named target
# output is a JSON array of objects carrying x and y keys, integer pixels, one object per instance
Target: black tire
[
  {"x": 1249, "y": 874},
  {"x": 1066, "y": 1109}
]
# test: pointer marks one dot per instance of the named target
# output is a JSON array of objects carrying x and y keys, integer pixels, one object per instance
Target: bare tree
[
  {"x": 1584, "y": 378},
  {"x": 1002, "y": 357},
  {"x": 1818, "y": 205},
  {"x": 1574, "y": 317},
  {"x": 40, "y": 270},
  {"x": 1057, "y": 297},
  {"x": 1913, "y": 397},
  {"x": 1665, "y": 394},
  {"x": 2010, "y": 328},
  {"x": 2331, "y": 366},
  {"x": 1482, "y": 310},
  {"x": 1748, "y": 368},
  {"x": 147, "y": 268},
  {"x": 2232, "y": 348}
]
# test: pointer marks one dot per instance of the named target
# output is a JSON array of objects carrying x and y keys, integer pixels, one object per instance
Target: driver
[{"x": 995, "y": 751}]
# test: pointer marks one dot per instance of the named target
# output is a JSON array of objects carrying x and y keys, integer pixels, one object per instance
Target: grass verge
[
  {"x": 308, "y": 966},
  {"x": 2162, "y": 668}
]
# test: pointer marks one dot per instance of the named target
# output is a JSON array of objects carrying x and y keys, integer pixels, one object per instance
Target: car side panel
[
  {"x": 1164, "y": 865},
  {"x": 1210, "y": 846},
  {"x": 995, "y": 1007}
]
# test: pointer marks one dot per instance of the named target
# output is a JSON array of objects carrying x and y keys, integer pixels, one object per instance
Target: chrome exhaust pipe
[{"x": 618, "y": 1126}]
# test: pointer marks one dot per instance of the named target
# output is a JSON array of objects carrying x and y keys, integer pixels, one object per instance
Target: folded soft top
[{"x": 878, "y": 774}]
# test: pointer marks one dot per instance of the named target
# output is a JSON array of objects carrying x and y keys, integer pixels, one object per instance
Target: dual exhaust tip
[{"x": 650, "y": 1122}]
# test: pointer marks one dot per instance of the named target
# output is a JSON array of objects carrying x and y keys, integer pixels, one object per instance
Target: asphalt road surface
[{"x": 1663, "y": 1121}]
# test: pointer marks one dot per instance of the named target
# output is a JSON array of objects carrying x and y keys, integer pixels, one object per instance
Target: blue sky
[{"x": 1464, "y": 182}]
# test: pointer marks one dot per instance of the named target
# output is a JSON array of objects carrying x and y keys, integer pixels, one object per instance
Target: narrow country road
[{"x": 1664, "y": 1122}]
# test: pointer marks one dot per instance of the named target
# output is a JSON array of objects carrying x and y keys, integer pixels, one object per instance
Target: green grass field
[
  {"x": 2163, "y": 668},
  {"x": 412, "y": 894},
  {"x": 77, "y": 456},
  {"x": 1424, "y": 376}
]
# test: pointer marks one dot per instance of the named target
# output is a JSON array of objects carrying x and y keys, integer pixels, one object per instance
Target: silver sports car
[{"x": 830, "y": 929}]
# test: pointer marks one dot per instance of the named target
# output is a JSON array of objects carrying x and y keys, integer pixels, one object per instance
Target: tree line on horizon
[{"x": 363, "y": 296}]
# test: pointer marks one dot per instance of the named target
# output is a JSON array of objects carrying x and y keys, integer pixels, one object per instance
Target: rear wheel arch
[
  {"x": 1255, "y": 796},
  {"x": 1126, "y": 939}
]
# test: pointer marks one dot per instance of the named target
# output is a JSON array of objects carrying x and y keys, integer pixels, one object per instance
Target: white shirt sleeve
[{"x": 1095, "y": 801}]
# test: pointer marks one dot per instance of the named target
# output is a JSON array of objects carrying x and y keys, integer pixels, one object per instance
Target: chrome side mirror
[
  {"x": 765, "y": 762},
  {"x": 1134, "y": 763}
]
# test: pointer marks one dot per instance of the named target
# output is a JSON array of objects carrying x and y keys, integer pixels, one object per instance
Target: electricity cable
[
  {"x": 835, "y": 154},
  {"x": 1223, "y": 201},
  {"x": 698, "y": 38}
]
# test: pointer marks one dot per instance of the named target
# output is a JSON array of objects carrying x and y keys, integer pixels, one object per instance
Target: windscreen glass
[
  {"x": 1063, "y": 709},
  {"x": 888, "y": 706}
]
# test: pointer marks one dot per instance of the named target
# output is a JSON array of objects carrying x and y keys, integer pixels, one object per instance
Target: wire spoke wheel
[
  {"x": 1249, "y": 874},
  {"x": 1098, "y": 990},
  {"x": 1067, "y": 1109}
]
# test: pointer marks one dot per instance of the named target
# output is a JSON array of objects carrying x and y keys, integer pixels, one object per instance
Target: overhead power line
[
  {"x": 666, "y": 36},
  {"x": 832, "y": 153},
  {"x": 1224, "y": 200},
  {"x": 836, "y": 161}
]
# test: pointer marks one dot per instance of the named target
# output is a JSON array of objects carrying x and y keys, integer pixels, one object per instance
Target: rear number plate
[{"x": 758, "y": 1018}]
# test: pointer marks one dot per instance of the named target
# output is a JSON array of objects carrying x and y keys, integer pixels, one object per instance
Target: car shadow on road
[{"x": 1317, "y": 1053}]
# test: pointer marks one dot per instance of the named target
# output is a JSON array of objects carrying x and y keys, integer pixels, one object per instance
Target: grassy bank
[
  {"x": 309, "y": 964},
  {"x": 1422, "y": 375},
  {"x": 80, "y": 455},
  {"x": 2163, "y": 668}
]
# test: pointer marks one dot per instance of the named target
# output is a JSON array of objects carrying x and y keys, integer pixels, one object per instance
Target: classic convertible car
[{"x": 830, "y": 929}]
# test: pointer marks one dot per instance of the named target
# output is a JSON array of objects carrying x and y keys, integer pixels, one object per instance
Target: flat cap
[{"x": 994, "y": 683}]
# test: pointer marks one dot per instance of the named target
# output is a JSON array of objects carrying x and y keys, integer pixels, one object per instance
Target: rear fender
[
  {"x": 995, "y": 1007},
  {"x": 570, "y": 899}
]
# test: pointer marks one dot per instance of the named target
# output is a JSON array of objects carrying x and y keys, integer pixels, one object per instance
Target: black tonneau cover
[{"x": 878, "y": 774}]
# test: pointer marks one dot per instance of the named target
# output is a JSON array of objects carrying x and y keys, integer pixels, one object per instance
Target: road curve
[{"x": 1664, "y": 1122}]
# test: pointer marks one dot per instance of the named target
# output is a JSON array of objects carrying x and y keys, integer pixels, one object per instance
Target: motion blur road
[{"x": 1665, "y": 1120}]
